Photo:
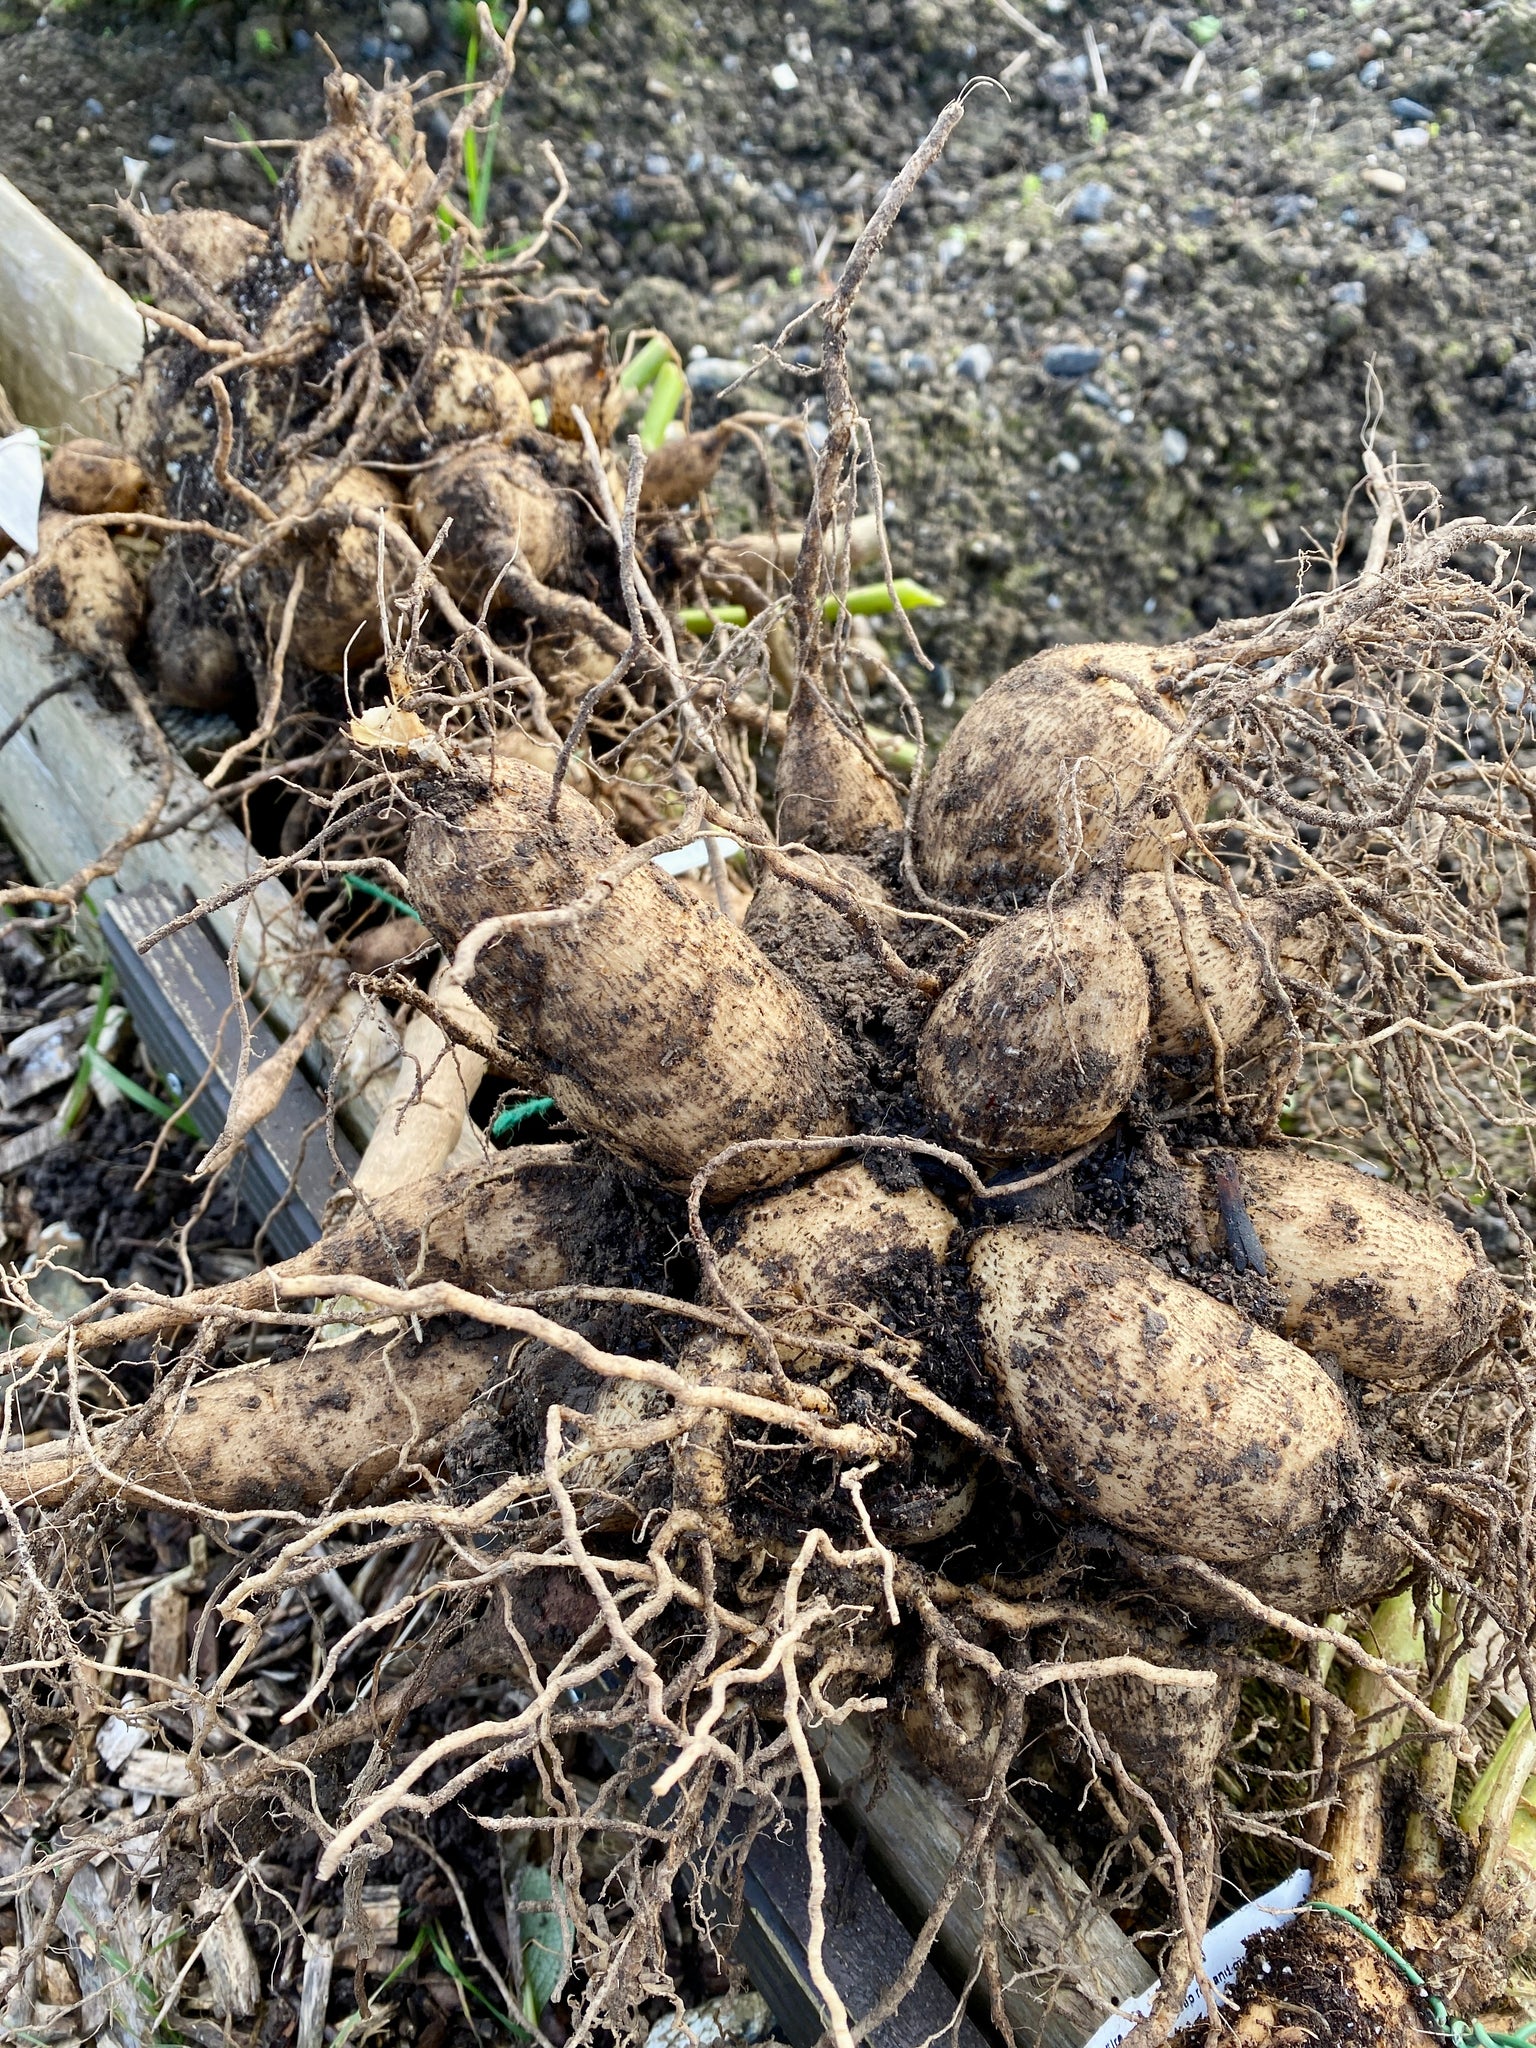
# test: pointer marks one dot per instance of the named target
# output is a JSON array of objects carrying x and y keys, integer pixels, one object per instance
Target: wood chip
[
  {"x": 233, "y": 1982},
  {"x": 157, "y": 1771},
  {"x": 315, "y": 1994},
  {"x": 167, "y": 1641}
]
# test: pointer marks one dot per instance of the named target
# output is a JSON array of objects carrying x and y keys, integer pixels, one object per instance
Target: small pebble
[
  {"x": 44, "y": 124},
  {"x": 371, "y": 49},
  {"x": 1053, "y": 603},
  {"x": 94, "y": 108},
  {"x": 1381, "y": 180},
  {"x": 1093, "y": 201},
  {"x": 974, "y": 362},
  {"x": 1287, "y": 208},
  {"x": 951, "y": 248},
  {"x": 1071, "y": 359},
  {"x": 1372, "y": 72},
  {"x": 1096, "y": 394},
  {"x": 578, "y": 13},
  {"x": 784, "y": 78},
  {"x": 710, "y": 375},
  {"x": 1252, "y": 96},
  {"x": 1351, "y": 293},
  {"x": 1321, "y": 60},
  {"x": 591, "y": 152},
  {"x": 1175, "y": 447},
  {"x": 1066, "y": 462},
  {"x": 882, "y": 375},
  {"x": 1413, "y": 241},
  {"x": 162, "y": 145},
  {"x": 408, "y": 22},
  {"x": 921, "y": 366},
  {"x": 300, "y": 39},
  {"x": 1134, "y": 280},
  {"x": 657, "y": 164},
  {"x": 1052, "y": 174},
  {"x": 1407, "y": 139},
  {"x": 134, "y": 168},
  {"x": 1410, "y": 111},
  {"x": 82, "y": 134}
]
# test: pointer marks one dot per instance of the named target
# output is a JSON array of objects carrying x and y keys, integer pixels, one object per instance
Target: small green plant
[
  {"x": 1098, "y": 127},
  {"x": 264, "y": 163},
  {"x": 480, "y": 164}
]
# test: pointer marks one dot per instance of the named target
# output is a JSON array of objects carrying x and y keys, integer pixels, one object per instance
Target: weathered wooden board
[
  {"x": 1066, "y": 1962},
  {"x": 78, "y": 775}
]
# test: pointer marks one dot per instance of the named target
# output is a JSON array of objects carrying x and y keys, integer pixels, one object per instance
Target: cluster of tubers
[{"x": 943, "y": 1196}]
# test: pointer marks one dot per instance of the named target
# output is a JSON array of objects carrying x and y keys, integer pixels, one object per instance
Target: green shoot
[
  {"x": 1205, "y": 28},
  {"x": 454, "y": 1970},
  {"x": 1490, "y": 1806},
  {"x": 479, "y": 167},
  {"x": 127, "y": 1087},
  {"x": 873, "y": 600},
  {"x": 74, "y": 1102},
  {"x": 264, "y": 163},
  {"x": 702, "y": 621},
  {"x": 666, "y": 396},
  {"x": 869, "y": 601},
  {"x": 642, "y": 366},
  {"x": 1098, "y": 128}
]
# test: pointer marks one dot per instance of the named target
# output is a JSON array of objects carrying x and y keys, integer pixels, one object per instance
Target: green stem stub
[
  {"x": 667, "y": 390},
  {"x": 644, "y": 364},
  {"x": 869, "y": 601}
]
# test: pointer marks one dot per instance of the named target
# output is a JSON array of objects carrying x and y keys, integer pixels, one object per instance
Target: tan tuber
[{"x": 1038, "y": 1045}]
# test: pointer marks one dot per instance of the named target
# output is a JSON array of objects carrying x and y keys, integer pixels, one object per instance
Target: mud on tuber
[{"x": 997, "y": 1285}]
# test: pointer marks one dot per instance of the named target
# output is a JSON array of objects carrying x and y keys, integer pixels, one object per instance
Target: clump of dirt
[{"x": 1116, "y": 356}]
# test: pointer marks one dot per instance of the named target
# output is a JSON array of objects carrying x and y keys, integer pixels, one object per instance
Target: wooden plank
[
  {"x": 68, "y": 333},
  {"x": 78, "y": 775},
  {"x": 179, "y": 997},
  {"x": 865, "y": 1947},
  {"x": 1066, "y": 1963}
]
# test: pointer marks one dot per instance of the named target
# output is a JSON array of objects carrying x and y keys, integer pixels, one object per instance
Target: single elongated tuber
[
  {"x": 1160, "y": 1410},
  {"x": 662, "y": 1030},
  {"x": 1367, "y": 1275}
]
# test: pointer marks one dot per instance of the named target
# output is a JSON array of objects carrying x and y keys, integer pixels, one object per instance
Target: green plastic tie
[
  {"x": 364, "y": 887},
  {"x": 1457, "y": 2030},
  {"x": 519, "y": 1112}
]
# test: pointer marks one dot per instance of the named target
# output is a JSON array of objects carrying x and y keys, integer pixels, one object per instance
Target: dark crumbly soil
[{"x": 1228, "y": 247}]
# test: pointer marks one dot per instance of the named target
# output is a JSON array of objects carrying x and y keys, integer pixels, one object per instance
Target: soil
[{"x": 1224, "y": 246}]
